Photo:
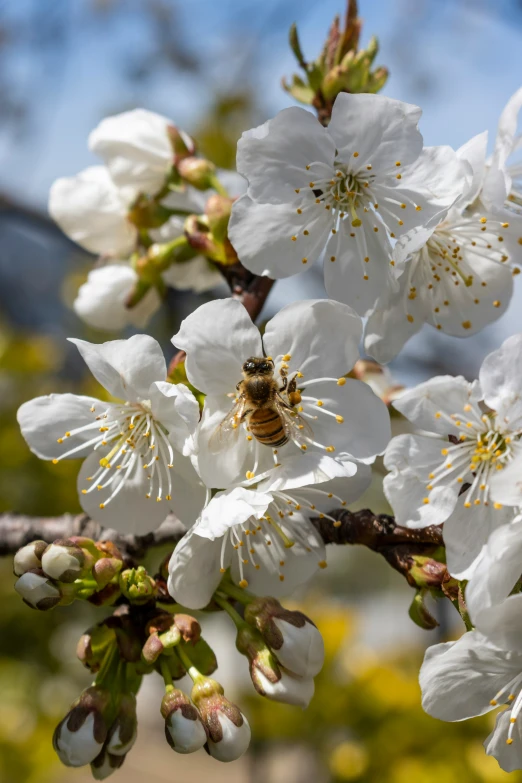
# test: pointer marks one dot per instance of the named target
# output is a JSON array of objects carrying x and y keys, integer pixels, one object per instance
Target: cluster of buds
[
  {"x": 68, "y": 569},
  {"x": 284, "y": 648},
  {"x": 148, "y": 633},
  {"x": 341, "y": 66},
  {"x": 78, "y": 568},
  {"x": 174, "y": 647}
]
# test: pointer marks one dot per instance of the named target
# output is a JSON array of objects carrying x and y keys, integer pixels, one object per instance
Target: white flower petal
[
  {"x": 126, "y": 368},
  {"x": 130, "y": 511},
  {"x": 135, "y": 147},
  {"x": 459, "y": 679},
  {"x": 474, "y": 152},
  {"x": 230, "y": 508},
  {"x": 218, "y": 337},
  {"x": 310, "y": 469},
  {"x": 466, "y": 532},
  {"x": 390, "y": 326},
  {"x": 93, "y": 212},
  {"x": 411, "y": 459},
  {"x": 274, "y": 156},
  {"x": 349, "y": 278},
  {"x": 101, "y": 299},
  {"x": 321, "y": 337},
  {"x": 44, "y": 420},
  {"x": 443, "y": 393},
  {"x": 177, "y": 409},
  {"x": 498, "y": 570},
  {"x": 509, "y": 757},
  {"x": 188, "y": 492},
  {"x": 501, "y": 381},
  {"x": 497, "y": 184},
  {"x": 501, "y": 624},
  {"x": 194, "y": 570},
  {"x": 301, "y": 561},
  {"x": 270, "y": 239},
  {"x": 382, "y": 130},
  {"x": 506, "y": 485}
]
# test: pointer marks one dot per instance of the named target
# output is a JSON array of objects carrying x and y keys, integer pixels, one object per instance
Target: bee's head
[{"x": 255, "y": 366}]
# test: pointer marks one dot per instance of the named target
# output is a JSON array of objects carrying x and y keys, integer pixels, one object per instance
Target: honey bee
[{"x": 271, "y": 418}]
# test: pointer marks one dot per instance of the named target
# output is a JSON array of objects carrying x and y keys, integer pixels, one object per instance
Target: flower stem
[
  {"x": 238, "y": 593},
  {"x": 194, "y": 674},
  {"x": 167, "y": 676},
  {"x": 224, "y": 604},
  {"x": 218, "y": 187}
]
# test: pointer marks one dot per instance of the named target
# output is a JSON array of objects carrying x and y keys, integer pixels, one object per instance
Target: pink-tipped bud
[
  {"x": 184, "y": 728},
  {"x": 227, "y": 728},
  {"x": 29, "y": 557},
  {"x": 105, "y": 569}
]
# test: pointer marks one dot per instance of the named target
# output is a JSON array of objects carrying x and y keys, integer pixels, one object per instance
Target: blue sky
[{"x": 457, "y": 60}]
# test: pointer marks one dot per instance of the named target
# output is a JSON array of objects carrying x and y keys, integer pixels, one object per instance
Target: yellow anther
[
  {"x": 498, "y": 506},
  {"x": 496, "y": 303},
  {"x": 403, "y": 206},
  {"x": 409, "y": 318},
  {"x": 55, "y": 462},
  {"x": 322, "y": 564},
  {"x": 398, "y": 176},
  {"x": 505, "y": 225},
  {"x": 466, "y": 324},
  {"x": 304, "y": 446},
  {"x": 339, "y": 419},
  {"x": 438, "y": 415},
  {"x": 341, "y": 381},
  {"x": 304, "y": 260},
  {"x": 426, "y": 501},
  {"x": 509, "y": 741},
  {"x": 102, "y": 505},
  {"x": 294, "y": 239},
  {"x": 243, "y": 584},
  {"x": 355, "y": 154},
  {"x": 332, "y": 258},
  {"x": 366, "y": 259},
  {"x": 356, "y": 222},
  {"x": 67, "y": 434},
  {"x": 467, "y": 505},
  {"x": 320, "y": 403},
  {"x": 483, "y": 220},
  {"x": 249, "y": 474},
  {"x": 330, "y": 448},
  {"x": 444, "y": 452}
]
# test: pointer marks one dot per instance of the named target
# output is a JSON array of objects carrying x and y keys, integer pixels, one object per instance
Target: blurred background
[{"x": 215, "y": 69}]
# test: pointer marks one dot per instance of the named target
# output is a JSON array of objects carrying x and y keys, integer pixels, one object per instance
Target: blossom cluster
[{"x": 272, "y": 428}]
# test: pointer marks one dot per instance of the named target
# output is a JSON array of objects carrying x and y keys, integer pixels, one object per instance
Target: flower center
[
  {"x": 125, "y": 435},
  {"x": 268, "y": 541},
  {"x": 482, "y": 447}
]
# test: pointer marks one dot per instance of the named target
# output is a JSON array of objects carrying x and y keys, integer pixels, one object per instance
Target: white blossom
[
  {"x": 477, "y": 673},
  {"x": 37, "y": 590},
  {"x": 302, "y": 648},
  {"x": 312, "y": 343},
  {"x": 137, "y": 149},
  {"x": 185, "y": 730},
  {"x": 79, "y": 745},
  {"x": 234, "y": 739},
  {"x": 288, "y": 689},
  {"x": 342, "y": 190},
  {"x": 92, "y": 211},
  {"x": 458, "y": 272},
  {"x": 101, "y": 300},
  {"x": 503, "y": 179},
  {"x": 264, "y": 536},
  {"x": 136, "y": 452},
  {"x": 470, "y": 434}
]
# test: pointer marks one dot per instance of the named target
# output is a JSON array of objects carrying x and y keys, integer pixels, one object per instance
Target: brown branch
[
  {"x": 16, "y": 530},
  {"x": 250, "y": 289},
  {"x": 398, "y": 545}
]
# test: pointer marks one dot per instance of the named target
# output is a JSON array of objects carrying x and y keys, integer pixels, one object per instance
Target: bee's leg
[
  {"x": 245, "y": 414},
  {"x": 285, "y": 383},
  {"x": 292, "y": 386}
]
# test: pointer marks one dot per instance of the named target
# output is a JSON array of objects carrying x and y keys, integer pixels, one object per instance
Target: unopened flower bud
[
  {"x": 182, "y": 144},
  {"x": 198, "y": 172},
  {"x": 184, "y": 729},
  {"x": 37, "y": 591},
  {"x": 63, "y": 561},
  {"x": 292, "y": 636},
  {"x": 227, "y": 728},
  {"x": 105, "y": 764},
  {"x": 218, "y": 209},
  {"x": 123, "y": 731},
  {"x": 137, "y": 585},
  {"x": 105, "y": 569},
  {"x": 29, "y": 557},
  {"x": 80, "y": 737},
  {"x": 420, "y": 613},
  {"x": 106, "y": 596},
  {"x": 188, "y": 627},
  {"x": 271, "y": 681},
  {"x": 93, "y": 645}
]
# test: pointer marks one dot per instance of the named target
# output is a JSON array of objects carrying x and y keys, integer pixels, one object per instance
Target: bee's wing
[
  {"x": 295, "y": 426},
  {"x": 227, "y": 430}
]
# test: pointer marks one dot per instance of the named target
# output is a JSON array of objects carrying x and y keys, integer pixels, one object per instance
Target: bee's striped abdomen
[{"x": 267, "y": 427}]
